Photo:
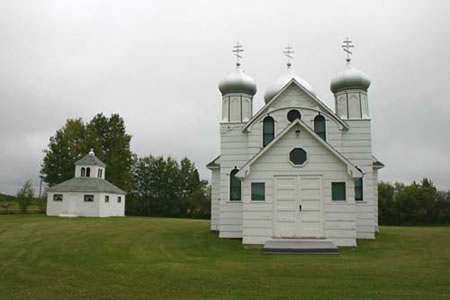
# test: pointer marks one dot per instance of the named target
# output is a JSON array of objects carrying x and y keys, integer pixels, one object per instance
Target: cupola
[
  {"x": 285, "y": 78},
  {"x": 350, "y": 90},
  {"x": 237, "y": 91},
  {"x": 350, "y": 78},
  {"x": 238, "y": 82},
  {"x": 90, "y": 167}
]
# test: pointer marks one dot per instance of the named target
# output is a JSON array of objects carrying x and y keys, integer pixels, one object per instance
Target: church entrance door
[{"x": 298, "y": 207}]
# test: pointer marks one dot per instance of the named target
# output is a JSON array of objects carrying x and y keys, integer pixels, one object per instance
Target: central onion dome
[
  {"x": 281, "y": 82},
  {"x": 350, "y": 78},
  {"x": 238, "y": 82}
]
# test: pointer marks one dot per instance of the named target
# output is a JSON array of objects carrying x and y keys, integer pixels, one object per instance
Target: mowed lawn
[{"x": 150, "y": 258}]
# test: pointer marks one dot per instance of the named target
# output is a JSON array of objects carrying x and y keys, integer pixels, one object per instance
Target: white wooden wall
[
  {"x": 338, "y": 216},
  {"x": 215, "y": 196}
]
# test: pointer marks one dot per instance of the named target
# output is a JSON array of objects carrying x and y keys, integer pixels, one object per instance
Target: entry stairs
[{"x": 300, "y": 246}]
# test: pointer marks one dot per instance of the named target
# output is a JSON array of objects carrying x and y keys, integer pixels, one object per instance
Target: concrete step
[{"x": 300, "y": 246}]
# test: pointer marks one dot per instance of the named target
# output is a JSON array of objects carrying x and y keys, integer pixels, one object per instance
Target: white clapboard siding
[
  {"x": 338, "y": 218},
  {"x": 215, "y": 197}
]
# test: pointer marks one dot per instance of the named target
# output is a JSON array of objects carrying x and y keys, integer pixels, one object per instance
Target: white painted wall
[
  {"x": 215, "y": 198},
  {"x": 343, "y": 222},
  {"x": 338, "y": 217},
  {"x": 74, "y": 204},
  {"x": 93, "y": 172}
]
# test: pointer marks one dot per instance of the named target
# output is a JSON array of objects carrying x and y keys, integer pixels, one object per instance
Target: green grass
[{"x": 131, "y": 258}]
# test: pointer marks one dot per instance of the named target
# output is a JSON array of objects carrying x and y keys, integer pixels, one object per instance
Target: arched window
[
  {"x": 88, "y": 172},
  {"x": 320, "y": 127},
  {"x": 99, "y": 173},
  {"x": 268, "y": 130},
  {"x": 83, "y": 172},
  {"x": 235, "y": 186},
  {"x": 293, "y": 115}
]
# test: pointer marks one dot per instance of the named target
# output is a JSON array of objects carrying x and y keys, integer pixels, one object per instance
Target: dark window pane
[
  {"x": 293, "y": 115},
  {"x": 268, "y": 130},
  {"x": 57, "y": 197},
  {"x": 106, "y": 199},
  {"x": 338, "y": 191},
  {"x": 88, "y": 198},
  {"x": 258, "y": 191},
  {"x": 298, "y": 156},
  {"x": 83, "y": 172},
  {"x": 88, "y": 172},
  {"x": 119, "y": 199},
  {"x": 359, "y": 189},
  {"x": 320, "y": 126},
  {"x": 235, "y": 186}
]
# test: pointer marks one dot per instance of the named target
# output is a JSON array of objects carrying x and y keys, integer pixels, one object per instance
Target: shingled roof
[
  {"x": 90, "y": 160},
  {"x": 86, "y": 184}
]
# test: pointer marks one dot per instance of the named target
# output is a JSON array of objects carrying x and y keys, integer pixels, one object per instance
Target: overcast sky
[{"x": 158, "y": 63}]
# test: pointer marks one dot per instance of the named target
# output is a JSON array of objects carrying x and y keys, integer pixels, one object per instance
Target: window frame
[
  {"x": 359, "y": 199},
  {"x": 119, "y": 199},
  {"x": 252, "y": 184},
  {"x": 83, "y": 172},
  {"x": 317, "y": 119},
  {"x": 333, "y": 193},
  {"x": 293, "y": 110},
  {"x": 232, "y": 175},
  {"x": 264, "y": 134},
  {"x": 55, "y": 196},
  {"x": 86, "y": 196},
  {"x": 294, "y": 164},
  {"x": 106, "y": 198}
]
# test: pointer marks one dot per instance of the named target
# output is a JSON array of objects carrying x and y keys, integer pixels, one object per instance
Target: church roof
[
  {"x": 313, "y": 97},
  {"x": 90, "y": 160},
  {"x": 86, "y": 184},
  {"x": 376, "y": 164},
  {"x": 214, "y": 164},
  {"x": 353, "y": 170}
]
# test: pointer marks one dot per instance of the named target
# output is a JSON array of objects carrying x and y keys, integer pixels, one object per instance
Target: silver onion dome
[
  {"x": 281, "y": 82},
  {"x": 238, "y": 82},
  {"x": 350, "y": 78}
]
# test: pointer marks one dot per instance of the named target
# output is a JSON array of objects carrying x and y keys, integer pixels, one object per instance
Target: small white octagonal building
[{"x": 88, "y": 194}]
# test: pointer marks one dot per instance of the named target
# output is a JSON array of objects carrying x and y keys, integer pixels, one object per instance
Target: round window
[{"x": 293, "y": 115}]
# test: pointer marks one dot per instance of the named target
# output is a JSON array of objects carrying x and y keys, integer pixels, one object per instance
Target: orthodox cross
[
  {"x": 289, "y": 52},
  {"x": 237, "y": 52},
  {"x": 346, "y": 47}
]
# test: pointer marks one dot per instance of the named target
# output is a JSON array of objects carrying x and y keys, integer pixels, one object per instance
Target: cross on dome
[
  {"x": 238, "y": 49},
  {"x": 346, "y": 47},
  {"x": 289, "y": 53}
]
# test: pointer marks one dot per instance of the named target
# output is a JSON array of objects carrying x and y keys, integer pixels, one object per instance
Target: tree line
[
  {"x": 155, "y": 186},
  {"x": 164, "y": 187},
  {"x": 416, "y": 204}
]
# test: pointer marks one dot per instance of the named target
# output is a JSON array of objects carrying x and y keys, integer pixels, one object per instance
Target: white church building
[
  {"x": 295, "y": 169},
  {"x": 88, "y": 194}
]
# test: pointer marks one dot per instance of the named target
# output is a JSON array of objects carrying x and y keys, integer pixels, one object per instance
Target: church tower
[
  {"x": 237, "y": 91},
  {"x": 350, "y": 90}
]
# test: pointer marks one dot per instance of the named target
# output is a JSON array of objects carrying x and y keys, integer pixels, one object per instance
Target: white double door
[{"x": 298, "y": 206}]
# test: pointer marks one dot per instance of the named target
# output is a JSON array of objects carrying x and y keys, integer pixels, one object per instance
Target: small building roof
[
  {"x": 90, "y": 160},
  {"x": 86, "y": 184}
]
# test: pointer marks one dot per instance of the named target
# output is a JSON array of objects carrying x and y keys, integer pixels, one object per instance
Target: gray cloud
[{"x": 158, "y": 63}]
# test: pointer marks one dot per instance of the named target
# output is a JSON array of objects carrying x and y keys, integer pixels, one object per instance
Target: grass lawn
[{"x": 131, "y": 258}]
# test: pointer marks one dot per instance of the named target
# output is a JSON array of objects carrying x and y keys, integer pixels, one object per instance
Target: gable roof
[
  {"x": 352, "y": 170},
  {"x": 90, "y": 160},
  {"x": 86, "y": 184},
  {"x": 214, "y": 164},
  {"x": 314, "y": 97}
]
